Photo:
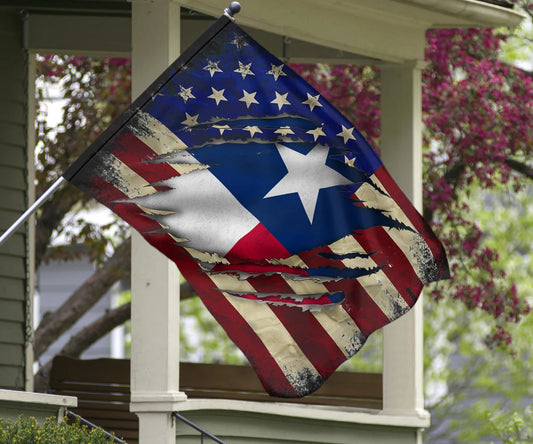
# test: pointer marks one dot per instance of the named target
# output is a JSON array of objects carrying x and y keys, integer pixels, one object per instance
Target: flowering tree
[{"x": 477, "y": 132}]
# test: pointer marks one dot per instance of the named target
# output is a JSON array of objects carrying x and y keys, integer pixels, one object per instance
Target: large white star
[{"x": 307, "y": 175}]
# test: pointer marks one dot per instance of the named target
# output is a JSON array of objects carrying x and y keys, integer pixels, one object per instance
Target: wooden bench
[{"x": 103, "y": 389}]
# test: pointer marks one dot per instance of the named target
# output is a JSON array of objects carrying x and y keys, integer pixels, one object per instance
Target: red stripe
[
  {"x": 416, "y": 220},
  {"x": 138, "y": 156}
]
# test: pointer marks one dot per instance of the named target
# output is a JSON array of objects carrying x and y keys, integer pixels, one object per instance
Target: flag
[{"x": 271, "y": 203}]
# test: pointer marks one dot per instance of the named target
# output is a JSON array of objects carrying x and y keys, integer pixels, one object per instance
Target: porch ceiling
[{"x": 349, "y": 31}]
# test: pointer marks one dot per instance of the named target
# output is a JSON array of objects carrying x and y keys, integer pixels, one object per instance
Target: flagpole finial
[{"x": 232, "y": 9}]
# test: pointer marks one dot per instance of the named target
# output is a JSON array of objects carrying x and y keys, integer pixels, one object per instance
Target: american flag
[{"x": 272, "y": 205}]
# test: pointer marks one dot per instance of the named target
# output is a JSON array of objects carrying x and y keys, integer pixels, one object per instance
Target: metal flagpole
[{"x": 32, "y": 209}]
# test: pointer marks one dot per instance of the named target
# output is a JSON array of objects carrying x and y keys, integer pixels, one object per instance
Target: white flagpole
[{"x": 32, "y": 209}]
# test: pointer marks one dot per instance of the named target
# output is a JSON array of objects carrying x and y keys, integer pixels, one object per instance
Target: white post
[
  {"x": 155, "y": 279},
  {"x": 401, "y": 151}
]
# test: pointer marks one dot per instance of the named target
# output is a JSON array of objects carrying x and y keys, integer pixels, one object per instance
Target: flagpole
[{"x": 32, "y": 209}]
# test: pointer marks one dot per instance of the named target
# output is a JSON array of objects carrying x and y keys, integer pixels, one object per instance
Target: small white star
[
  {"x": 349, "y": 162},
  {"x": 186, "y": 94},
  {"x": 191, "y": 120},
  {"x": 239, "y": 41},
  {"x": 253, "y": 129},
  {"x": 244, "y": 70},
  {"x": 306, "y": 175},
  {"x": 316, "y": 132},
  {"x": 312, "y": 101},
  {"x": 346, "y": 134},
  {"x": 248, "y": 98},
  {"x": 222, "y": 128},
  {"x": 276, "y": 71},
  {"x": 218, "y": 95},
  {"x": 281, "y": 100},
  {"x": 212, "y": 67},
  {"x": 284, "y": 130}
]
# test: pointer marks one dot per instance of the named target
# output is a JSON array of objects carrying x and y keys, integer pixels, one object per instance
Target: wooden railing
[{"x": 103, "y": 389}]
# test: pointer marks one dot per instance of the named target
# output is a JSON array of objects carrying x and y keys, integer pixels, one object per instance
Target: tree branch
[
  {"x": 519, "y": 167},
  {"x": 91, "y": 291}
]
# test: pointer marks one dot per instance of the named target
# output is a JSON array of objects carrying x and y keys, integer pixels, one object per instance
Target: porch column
[
  {"x": 155, "y": 279},
  {"x": 401, "y": 151}
]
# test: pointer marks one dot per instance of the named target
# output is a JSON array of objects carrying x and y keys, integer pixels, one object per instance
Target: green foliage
[
  {"x": 202, "y": 339},
  {"x": 29, "y": 431},
  {"x": 514, "y": 429},
  {"x": 466, "y": 383}
]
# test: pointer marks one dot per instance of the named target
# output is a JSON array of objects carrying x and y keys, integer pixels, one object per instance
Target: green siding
[
  {"x": 14, "y": 200},
  {"x": 11, "y": 288}
]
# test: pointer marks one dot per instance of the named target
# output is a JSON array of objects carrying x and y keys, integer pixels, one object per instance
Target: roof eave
[{"x": 473, "y": 13}]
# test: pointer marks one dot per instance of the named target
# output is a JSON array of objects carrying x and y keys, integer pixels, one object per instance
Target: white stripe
[
  {"x": 377, "y": 285},
  {"x": 154, "y": 134},
  {"x": 335, "y": 321},
  {"x": 280, "y": 344},
  {"x": 411, "y": 243},
  {"x": 121, "y": 176},
  {"x": 342, "y": 329}
]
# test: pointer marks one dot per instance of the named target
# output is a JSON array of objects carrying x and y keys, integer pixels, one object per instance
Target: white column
[
  {"x": 401, "y": 151},
  {"x": 155, "y": 279}
]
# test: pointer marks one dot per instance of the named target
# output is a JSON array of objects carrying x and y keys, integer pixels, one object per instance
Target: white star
[
  {"x": 239, "y": 41},
  {"x": 349, "y": 162},
  {"x": 307, "y": 175},
  {"x": 248, "y": 98},
  {"x": 191, "y": 120},
  {"x": 316, "y": 132},
  {"x": 222, "y": 128},
  {"x": 253, "y": 129},
  {"x": 186, "y": 94},
  {"x": 218, "y": 95},
  {"x": 284, "y": 130},
  {"x": 244, "y": 70},
  {"x": 312, "y": 101},
  {"x": 280, "y": 100},
  {"x": 276, "y": 71},
  {"x": 212, "y": 67},
  {"x": 346, "y": 134}
]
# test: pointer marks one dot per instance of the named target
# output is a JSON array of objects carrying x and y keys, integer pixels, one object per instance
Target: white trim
[
  {"x": 37, "y": 398},
  {"x": 309, "y": 411}
]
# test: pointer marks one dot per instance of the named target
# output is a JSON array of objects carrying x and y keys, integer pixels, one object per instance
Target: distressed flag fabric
[{"x": 272, "y": 205}]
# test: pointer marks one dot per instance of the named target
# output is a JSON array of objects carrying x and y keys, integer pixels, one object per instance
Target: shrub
[{"x": 29, "y": 431}]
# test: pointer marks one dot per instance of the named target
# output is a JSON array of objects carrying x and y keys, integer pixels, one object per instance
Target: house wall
[
  {"x": 14, "y": 277},
  {"x": 55, "y": 283}
]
